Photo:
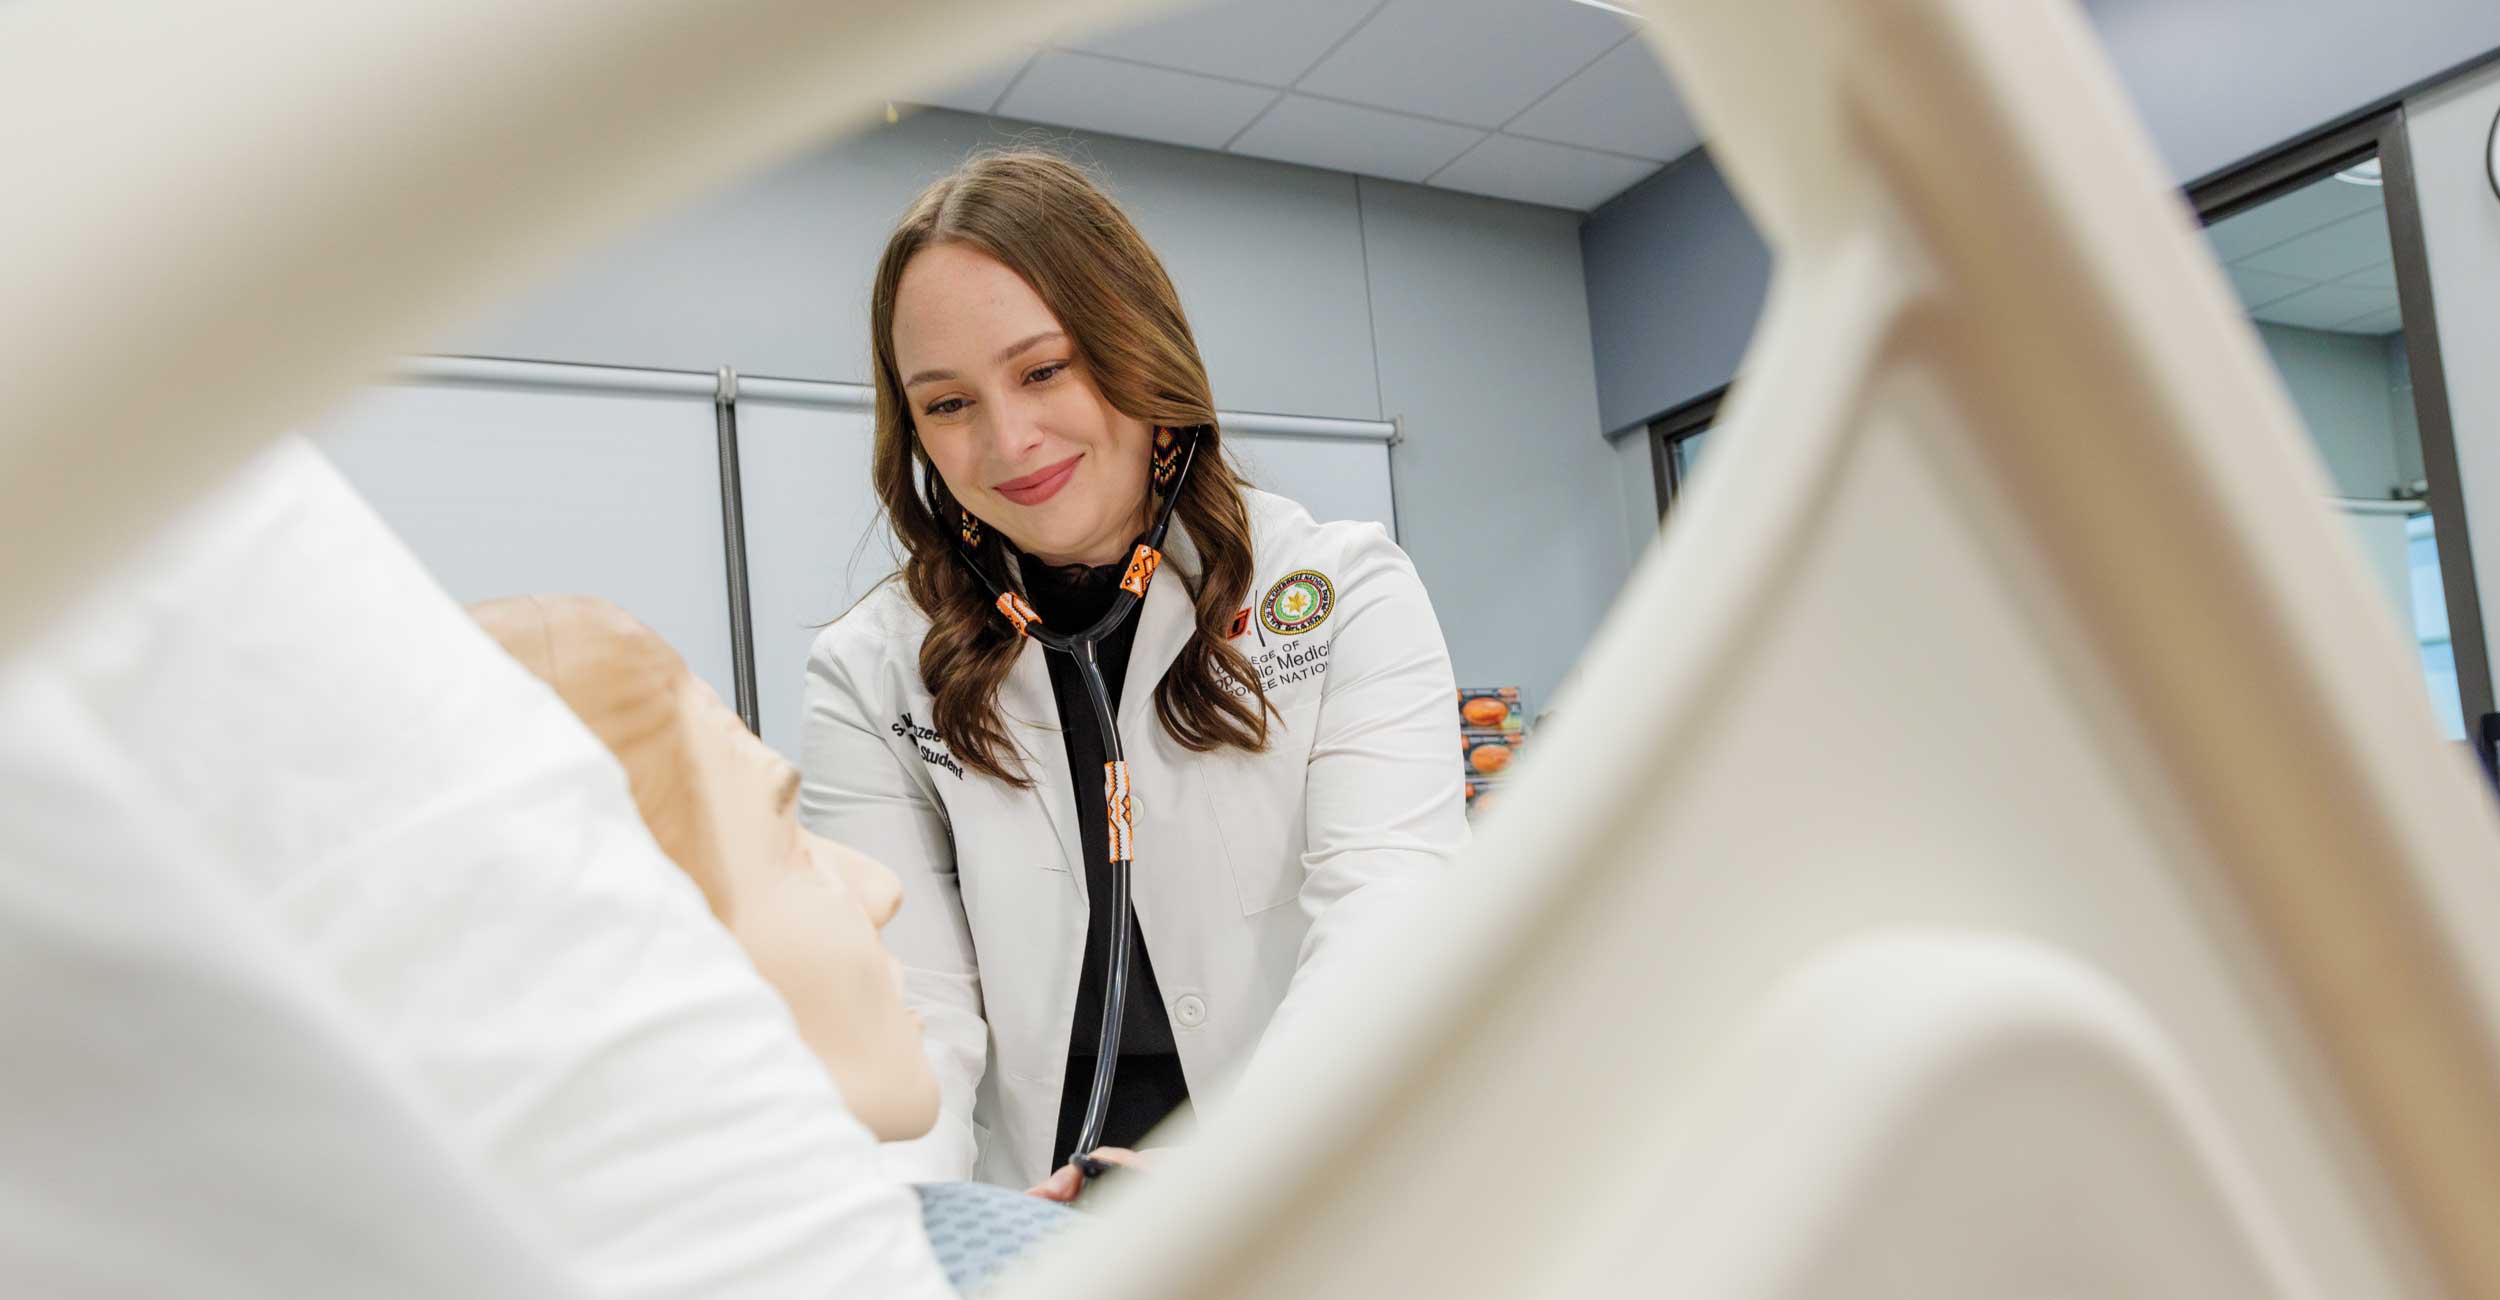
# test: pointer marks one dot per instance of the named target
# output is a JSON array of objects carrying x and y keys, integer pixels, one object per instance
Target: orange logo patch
[
  {"x": 1017, "y": 612},
  {"x": 1240, "y": 624},
  {"x": 1141, "y": 570},
  {"x": 1115, "y": 794}
]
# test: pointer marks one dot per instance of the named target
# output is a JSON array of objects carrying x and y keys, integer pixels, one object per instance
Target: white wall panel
[
  {"x": 507, "y": 491},
  {"x": 815, "y": 541},
  {"x": 1333, "y": 478}
]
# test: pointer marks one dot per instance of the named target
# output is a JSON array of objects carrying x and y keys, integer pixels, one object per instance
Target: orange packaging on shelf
[
  {"x": 1491, "y": 708},
  {"x": 1488, "y": 753},
  {"x": 1480, "y": 794}
]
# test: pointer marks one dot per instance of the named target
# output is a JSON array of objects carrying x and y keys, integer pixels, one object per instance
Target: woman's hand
[{"x": 1066, "y": 1181}]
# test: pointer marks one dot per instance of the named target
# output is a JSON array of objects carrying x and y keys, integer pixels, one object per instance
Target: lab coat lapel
[
  {"x": 1032, "y": 717},
  {"x": 1164, "y": 624}
]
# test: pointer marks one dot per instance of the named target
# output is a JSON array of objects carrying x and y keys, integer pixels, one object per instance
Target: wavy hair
[{"x": 1043, "y": 218}]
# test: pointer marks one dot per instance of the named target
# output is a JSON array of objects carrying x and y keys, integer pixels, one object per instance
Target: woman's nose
[{"x": 1015, "y": 428}]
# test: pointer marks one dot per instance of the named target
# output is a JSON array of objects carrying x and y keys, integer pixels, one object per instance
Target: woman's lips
[{"x": 1041, "y": 485}]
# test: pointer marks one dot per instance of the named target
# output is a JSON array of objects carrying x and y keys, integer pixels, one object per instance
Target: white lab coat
[{"x": 1256, "y": 874}]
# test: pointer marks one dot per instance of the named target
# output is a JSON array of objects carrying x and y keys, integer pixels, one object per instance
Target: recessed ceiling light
[
  {"x": 1613, "y": 9},
  {"x": 2365, "y": 172}
]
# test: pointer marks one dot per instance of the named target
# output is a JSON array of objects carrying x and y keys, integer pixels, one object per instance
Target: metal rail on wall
[{"x": 726, "y": 387}]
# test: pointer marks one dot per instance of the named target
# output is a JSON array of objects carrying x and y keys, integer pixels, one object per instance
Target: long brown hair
[{"x": 1044, "y": 219}]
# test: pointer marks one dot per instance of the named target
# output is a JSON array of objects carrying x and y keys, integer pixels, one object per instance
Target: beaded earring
[{"x": 1167, "y": 459}]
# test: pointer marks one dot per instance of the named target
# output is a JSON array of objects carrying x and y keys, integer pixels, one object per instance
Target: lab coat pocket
[
  {"x": 998, "y": 823},
  {"x": 1259, "y": 827}
]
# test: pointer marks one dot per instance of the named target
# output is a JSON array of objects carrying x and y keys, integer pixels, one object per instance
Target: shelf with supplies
[{"x": 1492, "y": 727}]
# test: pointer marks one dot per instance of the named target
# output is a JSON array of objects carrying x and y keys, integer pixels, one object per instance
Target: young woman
[{"x": 1280, "y": 698}]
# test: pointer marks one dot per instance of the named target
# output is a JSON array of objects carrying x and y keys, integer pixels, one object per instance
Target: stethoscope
[{"x": 1173, "y": 455}]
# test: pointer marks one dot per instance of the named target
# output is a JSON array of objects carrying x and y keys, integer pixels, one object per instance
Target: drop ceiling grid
[
  {"x": 1060, "y": 83},
  {"x": 2271, "y": 251},
  {"x": 1532, "y": 105}
]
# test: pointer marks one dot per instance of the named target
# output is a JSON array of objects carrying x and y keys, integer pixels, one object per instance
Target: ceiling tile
[
  {"x": 1366, "y": 141},
  {"x": 2329, "y": 306},
  {"x": 1532, "y": 171},
  {"x": 2320, "y": 203},
  {"x": 975, "y": 94},
  {"x": 2386, "y": 320},
  {"x": 2356, "y": 243},
  {"x": 1473, "y": 61},
  {"x": 1623, "y": 102},
  {"x": 2257, "y": 288},
  {"x": 1267, "y": 41},
  {"x": 2382, "y": 276},
  {"x": 1094, "y": 94}
]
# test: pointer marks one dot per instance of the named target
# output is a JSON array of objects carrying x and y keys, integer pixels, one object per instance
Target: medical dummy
[
  {"x": 292, "y": 815},
  {"x": 723, "y": 806}
]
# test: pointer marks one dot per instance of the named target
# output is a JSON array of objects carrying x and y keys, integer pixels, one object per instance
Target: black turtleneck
[{"x": 1148, "y": 1085}]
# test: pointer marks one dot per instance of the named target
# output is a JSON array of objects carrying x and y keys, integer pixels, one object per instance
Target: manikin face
[
  {"x": 724, "y": 807},
  {"x": 1006, "y": 411}
]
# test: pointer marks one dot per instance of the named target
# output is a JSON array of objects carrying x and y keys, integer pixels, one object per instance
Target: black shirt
[{"x": 1072, "y": 598}]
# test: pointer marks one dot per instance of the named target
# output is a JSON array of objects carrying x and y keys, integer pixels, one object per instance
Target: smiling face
[
  {"x": 999, "y": 395},
  {"x": 724, "y": 807}
]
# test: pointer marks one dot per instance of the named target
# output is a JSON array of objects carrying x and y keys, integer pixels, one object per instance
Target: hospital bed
[{"x": 2001, "y": 861}]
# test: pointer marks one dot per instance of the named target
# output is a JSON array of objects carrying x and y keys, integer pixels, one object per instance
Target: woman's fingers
[{"x": 1062, "y": 1185}]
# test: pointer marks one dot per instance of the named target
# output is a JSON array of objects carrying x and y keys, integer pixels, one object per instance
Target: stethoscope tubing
[
  {"x": 1115, "y": 977},
  {"x": 1084, "y": 648}
]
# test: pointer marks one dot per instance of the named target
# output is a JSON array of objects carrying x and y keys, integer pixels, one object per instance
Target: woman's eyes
[{"x": 1041, "y": 374}]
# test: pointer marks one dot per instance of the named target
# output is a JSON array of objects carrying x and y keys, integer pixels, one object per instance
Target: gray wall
[
  {"x": 773, "y": 276},
  {"x": 2218, "y": 82},
  {"x": 1676, "y": 275},
  {"x": 2407, "y": 419},
  {"x": 1636, "y": 490},
  {"x": 2346, "y": 395},
  {"x": 2222, "y": 82},
  {"x": 2461, "y": 225},
  {"x": 1505, "y": 493},
  {"x": 1311, "y": 294}
]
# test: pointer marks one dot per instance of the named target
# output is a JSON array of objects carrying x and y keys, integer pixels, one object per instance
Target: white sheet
[
  {"x": 186, "y": 1107},
  {"x": 456, "y": 859}
]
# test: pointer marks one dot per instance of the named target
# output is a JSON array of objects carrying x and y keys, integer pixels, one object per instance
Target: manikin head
[{"x": 723, "y": 806}]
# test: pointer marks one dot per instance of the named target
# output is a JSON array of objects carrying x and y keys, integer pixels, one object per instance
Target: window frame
[
  {"x": 1691, "y": 419},
  {"x": 2381, "y": 135}
]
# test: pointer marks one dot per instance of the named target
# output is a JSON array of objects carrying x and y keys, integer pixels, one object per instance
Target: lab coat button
[{"x": 1189, "y": 1011}]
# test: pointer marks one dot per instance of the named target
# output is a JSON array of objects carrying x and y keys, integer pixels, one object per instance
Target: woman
[{"x": 1281, "y": 692}]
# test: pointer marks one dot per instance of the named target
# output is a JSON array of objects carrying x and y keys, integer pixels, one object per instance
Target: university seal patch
[{"x": 1298, "y": 603}]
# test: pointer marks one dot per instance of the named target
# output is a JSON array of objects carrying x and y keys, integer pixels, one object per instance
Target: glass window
[
  {"x": 2315, "y": 269},
  {"x": 1676, "y": 440},
  {"x": 2430, "y": 624},
  {"x": 1687, "y": 453}
]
